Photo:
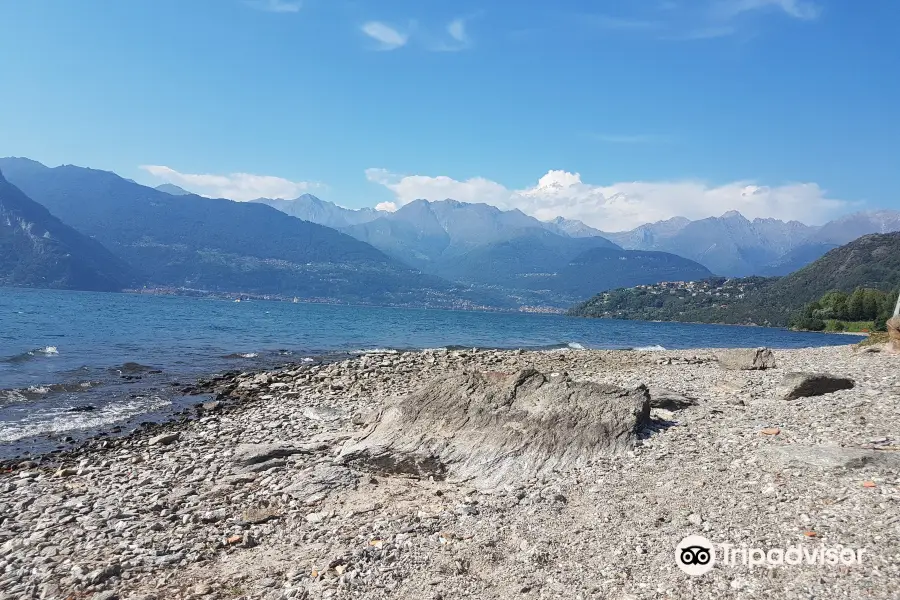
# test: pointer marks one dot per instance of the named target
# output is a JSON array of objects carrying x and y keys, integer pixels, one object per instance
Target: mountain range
[
  {"x": 425, "y": 233},
  {"x": 448, "y": 254},
  {"x": 732, "y": 245},
  {"x": 435, "y": 253},
  {"x": 219, "y": 245},
  {"x": 509, "y": 252}
]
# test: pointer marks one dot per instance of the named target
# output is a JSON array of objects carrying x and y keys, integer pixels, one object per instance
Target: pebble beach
[{"x": 249, "y": 499}]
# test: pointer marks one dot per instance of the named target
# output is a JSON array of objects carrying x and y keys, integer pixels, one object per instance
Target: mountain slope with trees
[
  {"x": 870, "y": 262},
  {"x": 39, "y": 250}
]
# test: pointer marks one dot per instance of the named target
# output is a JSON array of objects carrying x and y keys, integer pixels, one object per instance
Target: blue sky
[{"x": 625, "y": 110}]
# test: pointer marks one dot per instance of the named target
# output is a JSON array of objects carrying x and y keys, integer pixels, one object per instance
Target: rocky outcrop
[
  {"x": 747, "y": 359},
  {"x": 893, "y": 327},
  {"x": 802, "y": 385},
  {"x": 497, "y": 428}
]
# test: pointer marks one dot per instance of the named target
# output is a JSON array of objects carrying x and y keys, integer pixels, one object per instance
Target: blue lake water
[{"x": 74, "y": 362}]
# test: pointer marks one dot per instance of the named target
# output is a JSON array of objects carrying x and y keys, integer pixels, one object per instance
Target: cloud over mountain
[
  {"x": 625, "y": 205},
  {"x": 234, "y": 186}
]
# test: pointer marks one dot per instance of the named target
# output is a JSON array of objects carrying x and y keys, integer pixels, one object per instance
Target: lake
[{"x": 72, "y": 363}]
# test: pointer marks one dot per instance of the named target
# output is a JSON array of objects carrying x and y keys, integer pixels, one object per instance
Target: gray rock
[
  {"x": 669, "y": 400},
  {"x": 496, "y": 428},
  {"x": 252, "y": 454},
  {"x": 830, "y": 457},
  {"x": 164, "y": 439},
  {"x": 321, "y": 413},
  {"x": 801, "y": 385},
  {"x": 320, "y": 480},
  {"x": 747, "y": 359}
]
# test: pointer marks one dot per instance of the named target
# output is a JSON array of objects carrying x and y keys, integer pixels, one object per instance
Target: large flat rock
[
  {"x": 830, "y": 457},
  {"x": 497, "y": 428},
  {"x": 747, "y": 359},
  {"x": 804, "y": 385}
]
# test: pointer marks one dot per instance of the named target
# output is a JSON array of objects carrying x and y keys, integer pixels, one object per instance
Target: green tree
[{"x": 856, "y": 305}]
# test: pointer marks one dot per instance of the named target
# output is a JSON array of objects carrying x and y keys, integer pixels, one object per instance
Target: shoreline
[
  {"x": 204, "y": 385},
  {"x": 249, "y": 500}
]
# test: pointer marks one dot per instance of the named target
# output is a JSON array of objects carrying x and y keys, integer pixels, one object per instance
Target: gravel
[{"x": 248, "y": 500}]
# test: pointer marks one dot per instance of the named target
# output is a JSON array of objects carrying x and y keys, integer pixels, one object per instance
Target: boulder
[
  {"x": 747, "y": 359},
  {"x": 893, "y": 327},
  {"x": 802, "y": 385},
  {"x": 496, "y": 428},
  {"x": 669, "y": 400}
]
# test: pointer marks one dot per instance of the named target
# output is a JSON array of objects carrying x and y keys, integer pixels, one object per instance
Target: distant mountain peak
[
  {"x": 171, "y": 189},
  {"x": 315, "y": 210},
  {"x": 733, "y": 214}
]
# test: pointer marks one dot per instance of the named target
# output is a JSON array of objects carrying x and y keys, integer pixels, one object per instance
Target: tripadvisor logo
[{"x": 696, "y": 555}]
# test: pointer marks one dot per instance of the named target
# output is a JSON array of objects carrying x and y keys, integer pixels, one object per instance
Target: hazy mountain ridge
[
  {"x": 315, "y": 210},
  {"x": 220, "y": 245},
  {"x": 515, "y": 253},
  {"x": 501, "y": 257},
  {"x": 427, "y": 234},
  {"x": 734, "y": 246},
  {"x": 39, "y": 250}
]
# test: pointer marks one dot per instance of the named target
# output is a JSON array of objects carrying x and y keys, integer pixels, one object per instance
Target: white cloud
[
  {"x": 799, "y": 9},
  {"x": 412, "y": 187},
  {"x": 386, "y": 206},
  {"x": 388, "y": 37},
  {"x": 276, "y": 6},
  {"x": 697, "y": 20},
  {"x": 459, "y": 38},
  {"x": 621, "y": 206},
  {"x": 234, "y": 186},
  {"x": 457, "y": 30}
]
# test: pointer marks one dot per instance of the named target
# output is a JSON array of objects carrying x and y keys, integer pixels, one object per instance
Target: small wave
[
  {"x": 35, "y": 392},
  {"x": 575, "y": 346},
  {"x": 133, "y": 368},
  {"x": 242, "y": 355},
  {"x": 654, "y": 348},
  {"x": 376, "y": 351},
  {"x": 307, "y": 359},
  {"x": 31, "y": 354},
  {"x": 62, "y": 419}
]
